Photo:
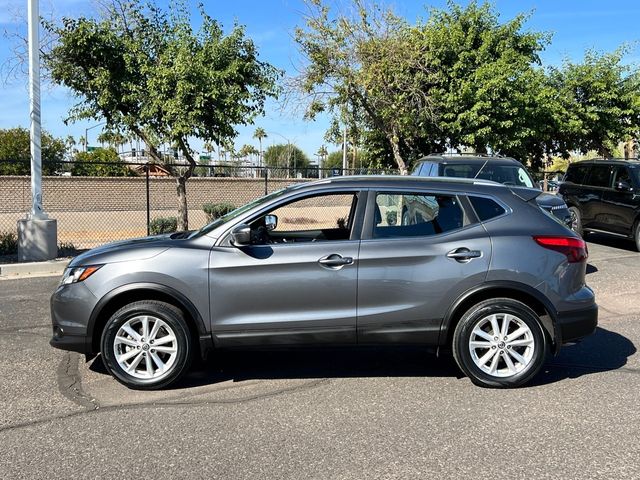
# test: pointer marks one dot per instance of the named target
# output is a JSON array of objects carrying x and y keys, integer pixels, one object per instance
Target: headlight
[{"x": 78, "y": 274}]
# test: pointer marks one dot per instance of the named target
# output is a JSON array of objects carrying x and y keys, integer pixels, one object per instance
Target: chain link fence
[{"x": 120, "y": 201}]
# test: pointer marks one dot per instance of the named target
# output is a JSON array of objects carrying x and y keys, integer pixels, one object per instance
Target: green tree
[
  {"x": 286, "y": 156},
  {"x": 460, "y": 79},
  {"x": 101, "y": 162},
  {"x": 334, "y": 160},
  {"x": 366, "y": 71},
  {"x": 15, "y": 152},
  {"x": 149, "y": 73},
  {"x": 598, "y": 103},
  {"x": 488, "y": 89}
]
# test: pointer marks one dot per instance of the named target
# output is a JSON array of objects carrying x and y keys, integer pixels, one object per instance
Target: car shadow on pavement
[
  {"x": 603, "y": 351},
  {"x": 314, "y": 362},
  {"x": 611, "y": 241}
]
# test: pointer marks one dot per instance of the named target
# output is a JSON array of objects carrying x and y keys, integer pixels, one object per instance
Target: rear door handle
[
  {"x": 335, "y": 261},
  {"x": 464, "y": 255}
]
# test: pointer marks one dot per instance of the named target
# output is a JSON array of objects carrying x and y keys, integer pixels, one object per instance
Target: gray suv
[{"x": 477, "y": 267}]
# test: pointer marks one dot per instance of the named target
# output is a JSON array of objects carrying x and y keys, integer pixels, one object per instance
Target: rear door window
[
  {"x": 415, "y": 214},
  {"x": 599, "y": 176}
]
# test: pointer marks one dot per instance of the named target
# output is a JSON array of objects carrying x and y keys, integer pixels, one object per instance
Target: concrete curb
[{"x": 33, "y": 269}]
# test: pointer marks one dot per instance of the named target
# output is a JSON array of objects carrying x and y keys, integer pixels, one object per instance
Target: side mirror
[
  {"x": 622, "y": 186},
  {"x": 241, "y": 235},
  {"x": 270, "y": 222}
]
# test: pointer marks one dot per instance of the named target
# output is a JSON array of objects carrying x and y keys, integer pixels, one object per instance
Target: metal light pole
[
  {"x": 86, "y": 134},
  {"x": 34, "y": 111},
  {"x": 37, "y": 234}
]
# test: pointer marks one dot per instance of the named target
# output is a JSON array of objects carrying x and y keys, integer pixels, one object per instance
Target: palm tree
[{"x": 260, "y": 133}]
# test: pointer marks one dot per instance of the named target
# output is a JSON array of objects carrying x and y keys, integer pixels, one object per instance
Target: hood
[{"x": 126, "y": 250}]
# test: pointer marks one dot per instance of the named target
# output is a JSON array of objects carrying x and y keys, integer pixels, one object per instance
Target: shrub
[
  {"x": 161, "y": 225},
  {"x": 8, "y": 243},
  {"x": 217, "y": 210},
  {"x": 67, "y": 249}
]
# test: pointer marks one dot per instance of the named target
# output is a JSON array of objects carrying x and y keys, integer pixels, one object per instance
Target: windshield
[
  {"x": 506, "y": 174},
  {"x": 235, "y": 213}
]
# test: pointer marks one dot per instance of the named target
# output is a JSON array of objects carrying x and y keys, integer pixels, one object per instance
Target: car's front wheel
[
  {"x": 576, "y": 221},
  {"x": 636, "y": 234},
  {"x": 146, "y": 345},
  {"x": 499, "y": 343}
]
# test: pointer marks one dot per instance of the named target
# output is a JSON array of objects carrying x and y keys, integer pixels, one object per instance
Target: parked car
[
  {"x": 484, "y": 272},
  {"x": 507, "y": 171},
  {"x": 604, "y": 196}
]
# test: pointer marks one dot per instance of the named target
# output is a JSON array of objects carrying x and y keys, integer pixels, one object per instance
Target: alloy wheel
[
  {"x": 502, "y": 345},
  {"x": 145, "y": 347}
]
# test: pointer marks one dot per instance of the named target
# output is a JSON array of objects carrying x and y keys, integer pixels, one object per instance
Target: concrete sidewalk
[{"x": 33, "y": 269}]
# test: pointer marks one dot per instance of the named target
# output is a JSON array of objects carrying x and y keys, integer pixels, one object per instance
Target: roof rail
[{"x": 453, "y": 154}]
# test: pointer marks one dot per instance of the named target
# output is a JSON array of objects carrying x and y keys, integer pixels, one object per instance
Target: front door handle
[
  {"x": 464, "y": 255},
  {"x": 335, "y": 261}
]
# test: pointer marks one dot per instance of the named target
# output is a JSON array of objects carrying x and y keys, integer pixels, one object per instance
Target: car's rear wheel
[
  {"x": 146, "y": 345},
  {"x": 499, "y": 343},
  {"x": 576, "y": 220}
]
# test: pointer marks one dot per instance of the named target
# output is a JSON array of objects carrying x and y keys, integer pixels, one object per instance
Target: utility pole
[{"x": 37, "y": 234}]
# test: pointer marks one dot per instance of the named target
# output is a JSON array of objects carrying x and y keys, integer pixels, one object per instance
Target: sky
[{"x": 576, "y": 25}]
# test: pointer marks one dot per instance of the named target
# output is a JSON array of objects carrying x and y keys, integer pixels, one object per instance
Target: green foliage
[
  {"x": 598, "y": 103},
  {"x": 160, "y": 225},
  {"x": 15, "y": 147},
  {"x": 217, "y": 210},
  {"x": 462, "y": 79},
  {"x": 148, "y": 72},
  {"x": 92, "y": 164},
  {"x": 8, "y": 243},
  {"x": 286, "y": 156},
  {"x": 334, "y": 160},
  {"x": 487, "y": 90}
]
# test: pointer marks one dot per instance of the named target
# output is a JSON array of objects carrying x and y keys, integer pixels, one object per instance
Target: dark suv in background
[
  {"x": 604, "y": 196},
  {"x": 507, "y": 171}
]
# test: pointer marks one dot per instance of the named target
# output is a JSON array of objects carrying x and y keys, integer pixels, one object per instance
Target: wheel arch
[
  {"x": 516, "y": 291},
  {"x": 126, "y": 294}
]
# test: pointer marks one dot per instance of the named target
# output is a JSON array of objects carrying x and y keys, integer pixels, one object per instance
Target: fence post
[
  {"x": 146, "y": 171},
  {"x": 266, "y": 181}
]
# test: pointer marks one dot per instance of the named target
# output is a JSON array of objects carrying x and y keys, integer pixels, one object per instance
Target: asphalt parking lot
[{"x": 368, "y": 413}]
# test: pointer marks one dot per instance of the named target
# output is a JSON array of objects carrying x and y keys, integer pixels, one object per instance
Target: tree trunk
[
  {"x": 395, "y": 148},
  {"x": 183, "y": 212}
]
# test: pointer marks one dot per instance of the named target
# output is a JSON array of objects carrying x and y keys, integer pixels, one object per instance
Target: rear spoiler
[{"x": 526, "y": 194}]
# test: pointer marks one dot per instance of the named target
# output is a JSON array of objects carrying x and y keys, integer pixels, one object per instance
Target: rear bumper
[{"x": 576, "y": 324}]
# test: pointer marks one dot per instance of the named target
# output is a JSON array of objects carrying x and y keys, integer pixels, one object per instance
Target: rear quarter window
[{"x": 486, "y": 208}]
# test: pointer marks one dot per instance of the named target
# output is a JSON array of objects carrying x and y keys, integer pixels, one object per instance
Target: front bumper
[
  {"x": 576, "y": 324},
  {"x": 71, "y": 307}
]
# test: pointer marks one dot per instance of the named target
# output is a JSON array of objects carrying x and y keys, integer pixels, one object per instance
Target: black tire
[
  {"x": 636, "y": 235},
  {"x": 463, "y": 335},
  {"x": 174, "y": 319},
  {"x": 576, "y": 221}
]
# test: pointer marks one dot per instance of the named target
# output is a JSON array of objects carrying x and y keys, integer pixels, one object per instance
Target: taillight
[{"x": 574, "y": 248}]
